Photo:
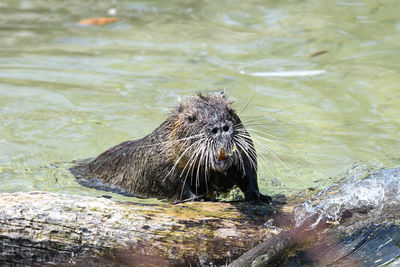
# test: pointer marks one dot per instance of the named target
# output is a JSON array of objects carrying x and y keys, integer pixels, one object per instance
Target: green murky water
[{"x": 69, "y": 91}]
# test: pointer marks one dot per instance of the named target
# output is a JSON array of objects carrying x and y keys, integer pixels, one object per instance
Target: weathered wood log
[{"x": 46, "y": 227}]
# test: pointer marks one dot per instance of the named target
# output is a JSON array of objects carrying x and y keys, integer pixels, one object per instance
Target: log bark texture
[{"x": 39, "y": 227}]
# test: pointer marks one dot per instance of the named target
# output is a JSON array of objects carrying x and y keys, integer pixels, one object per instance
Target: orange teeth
[{"x": 222, "y": 155}]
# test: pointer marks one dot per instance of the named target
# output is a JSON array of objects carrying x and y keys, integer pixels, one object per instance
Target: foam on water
[{"x": 373, "y": 191}]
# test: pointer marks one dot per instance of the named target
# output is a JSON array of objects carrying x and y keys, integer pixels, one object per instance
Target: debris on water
[
  {"x": 112, "y": 12},
  {"x": 98, "y": 21},
  {"x": 318, "y": 53},
  {"x": 292, "y": 73}
]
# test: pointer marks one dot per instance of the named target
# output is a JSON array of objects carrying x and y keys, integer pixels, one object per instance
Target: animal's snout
[{"x": 222, "y": 128}]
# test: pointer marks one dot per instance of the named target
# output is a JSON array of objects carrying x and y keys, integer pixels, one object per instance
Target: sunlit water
[{"x": 70, "y": 92}]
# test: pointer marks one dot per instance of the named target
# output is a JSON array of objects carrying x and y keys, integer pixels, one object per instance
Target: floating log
[{"x": 40, "y": 227}]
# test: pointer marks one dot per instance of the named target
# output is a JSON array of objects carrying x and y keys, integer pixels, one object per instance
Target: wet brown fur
[{"x": 164, "y": 163}]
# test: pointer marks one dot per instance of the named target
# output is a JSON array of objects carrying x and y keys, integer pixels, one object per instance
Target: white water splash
[{"x": 377, "y": 190}]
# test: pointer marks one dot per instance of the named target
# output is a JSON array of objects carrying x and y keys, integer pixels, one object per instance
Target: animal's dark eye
[{"x": 192, "y": 119}]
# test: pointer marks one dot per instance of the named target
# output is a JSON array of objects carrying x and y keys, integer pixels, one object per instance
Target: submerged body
[{"x": 200, "y": 150}]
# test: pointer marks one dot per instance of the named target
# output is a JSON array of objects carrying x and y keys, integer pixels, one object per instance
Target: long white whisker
[
  {"x": 171, "y": 143},
  {"x": 242, "y": 145},
  {"x": 252, "y": 130},
  {"x": 192, "y": 159},
  {"x": 240, "y": 158},
  {"x": 177, "y": 161},
  {"x": 206, "y": 167},
  {"x": 264, "y": 146},
  {"x": 188, "y": 163}
]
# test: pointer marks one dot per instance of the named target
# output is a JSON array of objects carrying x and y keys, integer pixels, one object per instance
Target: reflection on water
[{"x": 69, "y": 91}]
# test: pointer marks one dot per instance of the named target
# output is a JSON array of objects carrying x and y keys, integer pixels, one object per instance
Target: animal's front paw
[
  {"x": 265, "y": 198},
  {"x": 255, "y": 196}
]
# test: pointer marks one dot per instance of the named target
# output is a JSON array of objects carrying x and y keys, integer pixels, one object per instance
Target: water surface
[{"x": 69, "y": 91}]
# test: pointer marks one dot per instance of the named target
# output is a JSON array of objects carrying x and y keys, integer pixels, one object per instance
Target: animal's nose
[{"x": 221, "y": 128}]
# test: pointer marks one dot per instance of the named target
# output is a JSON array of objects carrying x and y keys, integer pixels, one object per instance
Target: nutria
[{"x": 200, "y": 150}]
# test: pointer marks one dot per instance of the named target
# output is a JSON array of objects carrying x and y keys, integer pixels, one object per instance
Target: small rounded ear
[
  {"x": 223, "y": 94},
  {"x": 180, "y": 107}
]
